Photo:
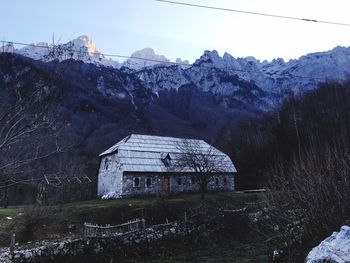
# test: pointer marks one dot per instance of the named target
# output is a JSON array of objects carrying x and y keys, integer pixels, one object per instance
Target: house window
[
  {"x": 148, "y": 182},
  {"x": 166, "y": 159},
  {"x": 217, "y": 181},
  {"x": 225, "y": 181},
  {"x": 106, "y": 163},
  {"x": 193, "y": 181},
  {"x": 136, "y": 181},
  {"x": 179, "y": 181}
]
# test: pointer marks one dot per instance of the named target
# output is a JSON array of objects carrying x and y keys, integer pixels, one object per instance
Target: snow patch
[
  {"x": 111, "y": 195},
  {"x": 335, "y": 248}
]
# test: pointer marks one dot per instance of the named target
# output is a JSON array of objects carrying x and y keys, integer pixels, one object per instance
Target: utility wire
[
  {"x": 11, "y": 183},
  {"x": 97, "y": 53},
  {"x": 254, "y": 13},
  {"x": 234, "y": 70}
]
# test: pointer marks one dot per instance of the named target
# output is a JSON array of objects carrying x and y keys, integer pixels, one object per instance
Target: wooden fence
[
  {"x": 200, "y": 210},
  {"x": 92, "y": 230}
]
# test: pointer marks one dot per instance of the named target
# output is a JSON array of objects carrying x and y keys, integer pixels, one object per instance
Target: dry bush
[
  {"x": 309, "y": 199},
  {"x": 30, "y": 223}
]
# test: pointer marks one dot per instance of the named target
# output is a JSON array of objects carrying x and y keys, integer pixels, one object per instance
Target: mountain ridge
[
  {"x": 85, "y": 50},
  {"x": 240, "y": 83}
]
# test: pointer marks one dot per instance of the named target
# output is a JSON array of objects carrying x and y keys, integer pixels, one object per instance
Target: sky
[{"x": 124, "y": 26}]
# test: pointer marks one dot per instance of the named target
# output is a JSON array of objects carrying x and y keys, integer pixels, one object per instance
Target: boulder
[{"x": 335, "y": 249}]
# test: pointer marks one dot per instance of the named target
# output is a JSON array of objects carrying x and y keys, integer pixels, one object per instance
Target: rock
[
  {"x": 97, "y": 248},
  {"x": 335, "y": 248},
  {"x": 28, "y": 254},
  {"x": 61, "y": 246}
]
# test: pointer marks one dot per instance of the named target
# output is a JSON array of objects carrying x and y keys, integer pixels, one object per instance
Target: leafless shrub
[
  {"x": 32, "y": 219},
  {"x": 309, "y": 199}
]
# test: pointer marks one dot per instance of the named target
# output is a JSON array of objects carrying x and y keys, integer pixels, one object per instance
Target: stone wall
[
  {"x": 178, "y": 184},
  {"x": 130, "y": 189},
  {"x": 47, "y": 251},
  {"x": 112, "y": 179},
  {"x": 218, "y": 183}
]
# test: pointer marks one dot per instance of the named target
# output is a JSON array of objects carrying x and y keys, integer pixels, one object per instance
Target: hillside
[
  {"x": 303, "y": 124},
  {"x": 98, "y": 104}
]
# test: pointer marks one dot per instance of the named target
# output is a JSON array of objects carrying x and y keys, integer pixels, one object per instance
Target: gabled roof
[{"x": 144, "y": 153}]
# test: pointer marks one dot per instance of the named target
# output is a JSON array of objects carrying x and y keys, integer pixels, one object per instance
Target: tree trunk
[
  {"x": 6, "y": 199},
  {"x": 204, "y": 184}
]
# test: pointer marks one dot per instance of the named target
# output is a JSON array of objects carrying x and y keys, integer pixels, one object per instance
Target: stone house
[{"x": 141, "y": 165}]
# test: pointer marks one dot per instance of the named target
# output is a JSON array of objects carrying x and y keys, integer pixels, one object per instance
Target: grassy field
[
  {"x": 100, "y": 209},
  {"x": 52, "y": 222},
  {"x": 242, "y": 250}
]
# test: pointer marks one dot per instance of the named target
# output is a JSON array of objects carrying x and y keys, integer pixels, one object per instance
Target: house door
[{"x": 166, "y": 184}]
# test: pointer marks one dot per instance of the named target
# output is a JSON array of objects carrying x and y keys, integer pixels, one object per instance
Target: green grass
[
  {"x": 98, "y": 203},
  {"x": 95, "y": 207},
  {"x": 237, "y": 199},
  {"x": 243, "y": 253},
  {"x": 12, "y": 211},
  {"x": 243, "y": 247},
  {"x": 68, "y": 219},
  {"x": 254, "y": 252}
]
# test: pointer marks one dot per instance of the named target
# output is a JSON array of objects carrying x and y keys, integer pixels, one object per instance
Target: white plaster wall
[{"x": 110, "y": 176}]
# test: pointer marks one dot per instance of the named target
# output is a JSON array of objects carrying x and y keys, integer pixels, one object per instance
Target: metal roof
[{"x": 144, "y": 153}]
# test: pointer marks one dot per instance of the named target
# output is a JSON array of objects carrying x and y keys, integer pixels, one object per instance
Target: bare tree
[
  {"x": 201, "y": 160},
  {"x": 28, "y": 130}
]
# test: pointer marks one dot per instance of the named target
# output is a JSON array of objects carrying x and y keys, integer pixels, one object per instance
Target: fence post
[
  {"x": 143, "y": 225},
  {"x": 12, "y": 246},
  {"x": 85, "y": 232}
]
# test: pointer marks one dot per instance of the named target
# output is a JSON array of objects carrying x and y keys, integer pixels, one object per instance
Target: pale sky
[{"x": 124, "y": 26}]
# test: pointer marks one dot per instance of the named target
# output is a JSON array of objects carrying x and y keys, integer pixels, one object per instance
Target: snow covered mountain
[
  {"x": 255, "y": 84},
  {"x": 144, "y": 58},
  {"x": 81, "y": 48},
  {"x": 277, "y": 76},
  {"x": 248, "y": 82}
]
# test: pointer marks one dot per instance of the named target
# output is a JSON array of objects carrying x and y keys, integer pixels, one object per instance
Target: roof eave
[{"x": 106, "y": 154}]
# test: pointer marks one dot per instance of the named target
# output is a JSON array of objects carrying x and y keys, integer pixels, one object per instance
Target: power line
[
  {"x": 10, "y": 183},
  {"x": 235, "y": 70},
  {"x": 254, "y": 13},
  {"x": 98, "y": 53}
]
